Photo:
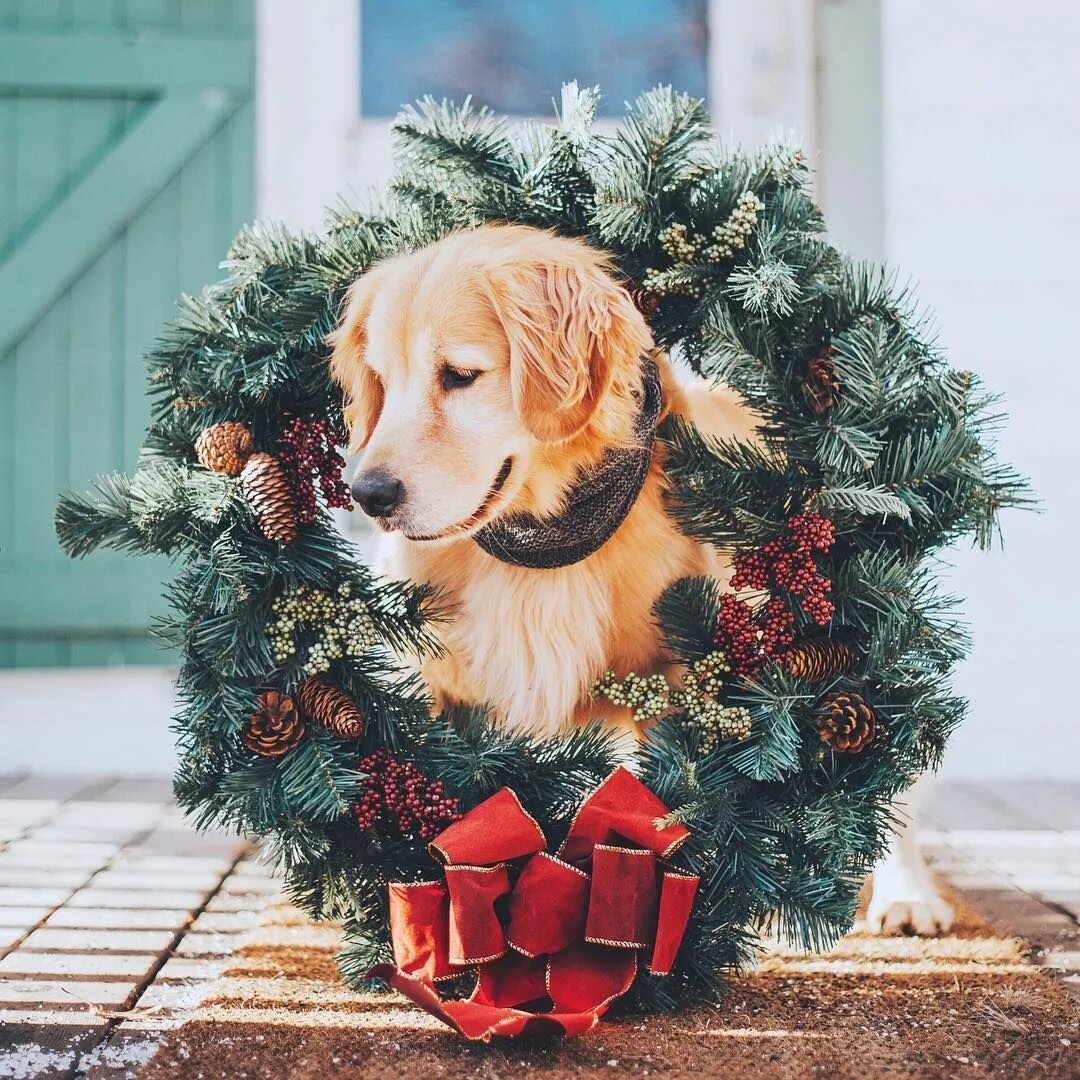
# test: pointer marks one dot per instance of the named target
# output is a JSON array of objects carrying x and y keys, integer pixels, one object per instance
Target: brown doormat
[{"x": 968, "y": 1004}]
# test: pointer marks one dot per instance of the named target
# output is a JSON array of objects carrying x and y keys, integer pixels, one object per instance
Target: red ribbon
[{"x": 556, "y": 942}]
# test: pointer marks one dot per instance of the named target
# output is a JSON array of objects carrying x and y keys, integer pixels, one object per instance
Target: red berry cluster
[
  {"x": 738, "y": 636},
  {"x": 784, "y": 566},
  {"x": 777, "y": 626},
  {"x": 307, "y": 454},
  {"x": 787, "y": 563},
  {"x": 400, "y": 792}
]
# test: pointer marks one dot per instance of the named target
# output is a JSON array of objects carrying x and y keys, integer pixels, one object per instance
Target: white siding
[
  {"x": 981, "y": 158},
  {"x": 307, "y": 93}
]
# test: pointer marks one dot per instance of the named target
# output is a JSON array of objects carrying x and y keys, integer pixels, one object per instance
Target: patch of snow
[
  {"x": 126, "y": 1054},
  {"x": 30, "y": 1060}
]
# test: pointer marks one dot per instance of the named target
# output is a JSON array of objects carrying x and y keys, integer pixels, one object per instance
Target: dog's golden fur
[{"x": 558, "y": 345}]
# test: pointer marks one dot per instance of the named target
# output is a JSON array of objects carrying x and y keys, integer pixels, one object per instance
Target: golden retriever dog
[{"x": 483, "y": 376}]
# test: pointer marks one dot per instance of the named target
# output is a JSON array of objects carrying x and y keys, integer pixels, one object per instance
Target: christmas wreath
[{"x": 814, "y": 693}]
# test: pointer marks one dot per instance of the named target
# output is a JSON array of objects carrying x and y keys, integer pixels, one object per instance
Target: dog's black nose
[{"x": 378, "y": 493}]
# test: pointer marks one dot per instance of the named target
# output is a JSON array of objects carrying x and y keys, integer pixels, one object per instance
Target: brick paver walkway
[
  {"x": 115, "y": 916},
  {"x": 112, "y": 912},
  {"x": 1012, "y": 851}
]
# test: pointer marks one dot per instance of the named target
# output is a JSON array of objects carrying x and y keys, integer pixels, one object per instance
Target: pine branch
[
  {"x": 863, "y": 501},
  {"x": 654, "y": 150},
  {"x": 687, "y": 612}
]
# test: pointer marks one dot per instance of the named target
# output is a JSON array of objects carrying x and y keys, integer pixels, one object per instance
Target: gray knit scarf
[{"x": 596, "y": 506}]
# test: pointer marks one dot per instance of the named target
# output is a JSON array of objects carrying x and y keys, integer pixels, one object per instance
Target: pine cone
[
  {"x": 267, "y": 489},
  {"x": 818, "y": 660},
  {"x": 821, "y": 385},
  {"x": 645, "y": 300},
  {"x": 332, "y": 709},
  {"x": 224, "y": 448},
  {"x": 276, "y": 726},
  {"x": 846, "y": 722}
]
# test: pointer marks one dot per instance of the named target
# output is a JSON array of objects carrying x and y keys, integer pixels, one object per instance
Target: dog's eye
[{"x": 455, "y": 378}]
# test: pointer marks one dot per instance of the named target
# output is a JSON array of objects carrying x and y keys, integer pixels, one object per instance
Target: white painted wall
[
  {"x": 307, "y": 81},
  {"x": 762, "y": 71},
  {"x": 981, "y": 152}
]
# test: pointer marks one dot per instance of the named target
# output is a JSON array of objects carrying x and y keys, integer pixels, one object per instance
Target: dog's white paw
[
  {"x": 905, "y": 898},
  {"x": 926, "y": 914}
]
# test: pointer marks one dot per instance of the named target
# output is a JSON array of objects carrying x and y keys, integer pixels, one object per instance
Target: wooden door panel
[
  {"x": 126, "y": 171},
  {"x": 54, "y": 141}
]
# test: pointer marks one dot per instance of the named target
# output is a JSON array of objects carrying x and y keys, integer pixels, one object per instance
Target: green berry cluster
[
  {"x": 651, "y": 696},
  {"x": 681, "y": 248},
  {"x": 670, "y": 280},
  {"x": 703, "y": 683},
  {"x": 344, "y": 626},
  {"x": 676, "y": 243},
  {"x": 646, "y": 695},
  {"x": 730, "y": 236},
  {"x": 715, "y": 722},
  {"x": 708, "y": 674}
]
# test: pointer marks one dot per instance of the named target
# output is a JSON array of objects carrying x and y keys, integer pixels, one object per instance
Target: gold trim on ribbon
[{"x": 617, "y": 944}]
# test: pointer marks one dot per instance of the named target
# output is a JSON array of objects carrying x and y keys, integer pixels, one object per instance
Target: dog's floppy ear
[
  {"x": 363, "y": 389},
  {"x": 571, "y": 327}
]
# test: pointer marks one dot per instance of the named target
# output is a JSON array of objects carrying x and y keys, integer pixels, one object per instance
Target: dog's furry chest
[{"x": 530, "y": 643}]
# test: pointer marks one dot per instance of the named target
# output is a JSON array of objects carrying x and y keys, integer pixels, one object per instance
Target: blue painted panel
[{"x": 514, "y": 54}]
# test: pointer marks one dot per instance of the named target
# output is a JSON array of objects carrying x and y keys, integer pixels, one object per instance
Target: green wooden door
[{"x": 125, "y": 170}]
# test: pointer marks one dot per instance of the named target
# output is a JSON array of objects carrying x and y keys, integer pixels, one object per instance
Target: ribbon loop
[
  {"x": 587, "y": 978},
  {"x": 512, "y": 981},
  {"x": 676, "y": 899},
  {"x": 476, "y": 935},
  {"x": 621, "y": 810},
  {"x": 564, "y": 936},
  {"x": 622, "y": 900},
  {"x": 420, "y": 929},
  {"x": 497, "y": 830},
  {"x": 558, "y": 919}
]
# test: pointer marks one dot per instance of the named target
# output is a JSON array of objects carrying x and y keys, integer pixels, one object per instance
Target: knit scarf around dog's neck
[{"x": 597, "y": 504}]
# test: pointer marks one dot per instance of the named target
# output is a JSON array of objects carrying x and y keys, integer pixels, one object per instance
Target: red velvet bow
[{"x": 558, "y": 943}]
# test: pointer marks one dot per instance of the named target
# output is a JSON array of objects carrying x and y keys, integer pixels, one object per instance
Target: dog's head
[{"x": 480, "y": 373}]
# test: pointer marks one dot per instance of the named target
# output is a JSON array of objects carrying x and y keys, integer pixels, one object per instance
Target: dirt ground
[{"x": 968, "y": 1004}]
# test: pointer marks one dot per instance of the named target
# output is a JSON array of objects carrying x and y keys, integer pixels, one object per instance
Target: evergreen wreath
[{"x": 813, "y": 697}]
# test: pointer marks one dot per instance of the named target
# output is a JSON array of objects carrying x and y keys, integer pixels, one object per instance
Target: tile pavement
[
  {"x": 1012, "y": 852},
  {"x": 115, "y": 916},
  {"x": 110, "y": 907}
]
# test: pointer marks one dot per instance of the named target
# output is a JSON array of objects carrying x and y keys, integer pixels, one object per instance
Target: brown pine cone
[
  {"x": 331, "y": 708},
  {"x": 821, "y": 385},
  {"x": 818, "y": 660},
  {"x": 267, "y": 489},
  {"x": 225, "y": 448},
  {"x": 846, "y": 722},
  {"x": 275, "y": 727},
  {"x": 645, "y": 300}
]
